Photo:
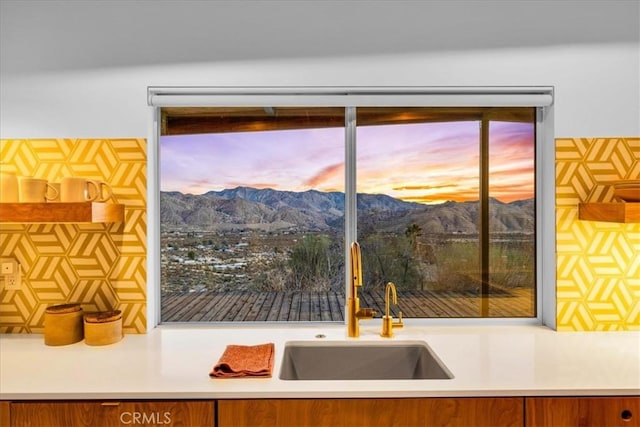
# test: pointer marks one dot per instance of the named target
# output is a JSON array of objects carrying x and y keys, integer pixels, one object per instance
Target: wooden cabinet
[
  {"x": 450, "y": 412},
  {"x": 414, "y": 412},
  {"x": 61, "y": 212},
  {"x": 582, "y": 411},
  {"x": 106, "y": 414}
]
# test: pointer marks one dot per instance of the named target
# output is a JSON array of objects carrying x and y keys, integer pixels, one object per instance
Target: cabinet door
[
  {"x": 5, "y": 414},
  {"x": 583, "y": 411},
  {"x": 108, "y": 414},
  {"x": 463, "y": 412}
]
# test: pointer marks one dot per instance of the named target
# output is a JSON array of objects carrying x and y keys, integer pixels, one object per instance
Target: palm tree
[{"x": 412, "y": 232}]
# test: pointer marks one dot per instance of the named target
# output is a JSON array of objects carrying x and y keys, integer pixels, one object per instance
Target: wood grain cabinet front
[
  {"x": 450, "y": 412},
  {"x": 609, "y": 212},
  {"x": 582, "y": 411},
  {"x": 116, "y": 414},
  {"x": 61, "y": 212},
  {"x": 5, "y": 413}
]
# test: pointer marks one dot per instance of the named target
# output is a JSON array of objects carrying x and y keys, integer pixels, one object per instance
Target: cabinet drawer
[
  {"x": 461, "y": 412},
  {"x": 583, "y": 411},
  {"x": 112, "y": 413}
]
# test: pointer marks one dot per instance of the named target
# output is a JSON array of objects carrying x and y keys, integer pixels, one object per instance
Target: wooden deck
[{"x": 329, "y": 306}]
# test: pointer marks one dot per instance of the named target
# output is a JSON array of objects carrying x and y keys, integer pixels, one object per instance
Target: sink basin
[{"x": 362, "y": 360}]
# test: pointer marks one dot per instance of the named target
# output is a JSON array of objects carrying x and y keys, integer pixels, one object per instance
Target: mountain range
[{"x": 312, "y": 210}]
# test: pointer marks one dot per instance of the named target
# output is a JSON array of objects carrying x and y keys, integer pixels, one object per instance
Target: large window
[{"x": 255, "y": 211}]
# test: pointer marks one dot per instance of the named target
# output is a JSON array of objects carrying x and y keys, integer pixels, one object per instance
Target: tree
[{"x": 412, "y": 232}]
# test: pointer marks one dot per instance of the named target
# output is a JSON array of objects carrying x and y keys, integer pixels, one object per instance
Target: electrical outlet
[
  {"x": 12, "y": 282},
  {"x": 10, "y": 272}
]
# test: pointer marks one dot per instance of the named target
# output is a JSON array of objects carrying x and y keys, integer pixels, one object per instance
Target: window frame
[{"x": 540, "y": 97}]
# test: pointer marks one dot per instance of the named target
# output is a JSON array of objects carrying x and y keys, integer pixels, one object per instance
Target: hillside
[{"x": 273, "y": 210}]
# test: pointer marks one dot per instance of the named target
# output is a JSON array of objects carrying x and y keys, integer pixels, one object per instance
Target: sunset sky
[{"x": 426, "y": 163}]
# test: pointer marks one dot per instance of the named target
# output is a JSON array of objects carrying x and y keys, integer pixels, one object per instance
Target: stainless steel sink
[{"x": 362, "y": 360}]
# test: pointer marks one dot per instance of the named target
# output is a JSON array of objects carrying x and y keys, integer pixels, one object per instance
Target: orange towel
[{"x": 245, "y": 361}]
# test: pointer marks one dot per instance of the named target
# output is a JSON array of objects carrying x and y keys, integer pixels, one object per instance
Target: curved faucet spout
[
  {"x": 387, "y": 320},
  {"x": 391, "y": 287}
]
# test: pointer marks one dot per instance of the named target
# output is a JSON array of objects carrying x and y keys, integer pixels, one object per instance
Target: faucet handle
[
  {"x": 399, "y": 323},
  {"x": 366, "y": 313}
]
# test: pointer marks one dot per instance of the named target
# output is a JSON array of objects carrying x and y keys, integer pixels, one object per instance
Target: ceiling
[{"x": 49, "y": 35}]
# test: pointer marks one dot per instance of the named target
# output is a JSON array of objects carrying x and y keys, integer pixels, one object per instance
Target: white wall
[{"x": 81, "y": 69}]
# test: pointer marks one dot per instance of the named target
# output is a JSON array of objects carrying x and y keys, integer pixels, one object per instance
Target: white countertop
[{"x": 172, "y": 362}]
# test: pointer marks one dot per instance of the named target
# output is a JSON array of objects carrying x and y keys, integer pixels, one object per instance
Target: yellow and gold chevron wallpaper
[
  {"x": 102, "y": 266},
  {"x": 598, "y": 263}
]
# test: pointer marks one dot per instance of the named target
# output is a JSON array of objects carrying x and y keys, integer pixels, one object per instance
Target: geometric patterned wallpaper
[
  {"x": 598, "y": 263},
  {"x": 101, "y": 266}
]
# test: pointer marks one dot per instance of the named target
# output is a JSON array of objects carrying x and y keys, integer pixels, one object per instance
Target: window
[
  {"x": 252, "y": 216},
  {"x": 257, "y": 204},
  {"x": 429, "y": 242}
]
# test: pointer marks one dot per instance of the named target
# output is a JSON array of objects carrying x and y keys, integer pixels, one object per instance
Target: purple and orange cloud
[
  {"x": 427, "y": 163},
  {"x": 326, "y": 175}
]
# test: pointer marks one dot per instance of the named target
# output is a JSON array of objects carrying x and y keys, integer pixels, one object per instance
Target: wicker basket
[
  {"x": 63, "y": 324},
  {"x": 103, "y": 328}
]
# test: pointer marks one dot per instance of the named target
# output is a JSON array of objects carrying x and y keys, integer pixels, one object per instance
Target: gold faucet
[
  {"x": 354, "y": 312},
  {"x": 387, "y": 319}
]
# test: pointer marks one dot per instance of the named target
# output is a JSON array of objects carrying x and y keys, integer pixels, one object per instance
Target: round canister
[
  {"x": 63, "y": 324},
  {"x": 103, "y": 327}
]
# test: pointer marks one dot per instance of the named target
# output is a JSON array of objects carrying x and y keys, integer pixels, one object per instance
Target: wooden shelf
[
  {"x": 61, "y": 212},
  {"x": 609, "y": 212}
]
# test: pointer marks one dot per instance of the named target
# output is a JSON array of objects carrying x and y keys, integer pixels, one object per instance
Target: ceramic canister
[
  {"x": 63, "y": 324},
  {"x": 103, "y": 328}
]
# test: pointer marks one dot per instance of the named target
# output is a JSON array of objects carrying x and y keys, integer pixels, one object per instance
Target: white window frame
[{"x": 540, "y": 97}]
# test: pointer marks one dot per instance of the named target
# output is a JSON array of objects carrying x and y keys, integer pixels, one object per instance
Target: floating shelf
[
  {"x": 609, "y": 212},
  {"x": 61, "y": 212}
]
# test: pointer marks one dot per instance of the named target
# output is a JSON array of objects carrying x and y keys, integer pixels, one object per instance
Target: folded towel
[{"x": 245, "y": 361}]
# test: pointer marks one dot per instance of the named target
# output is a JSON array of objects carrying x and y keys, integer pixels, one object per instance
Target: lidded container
[
  {"x": 63, "y": 324},
  {"x": 103, "y": 327}
]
